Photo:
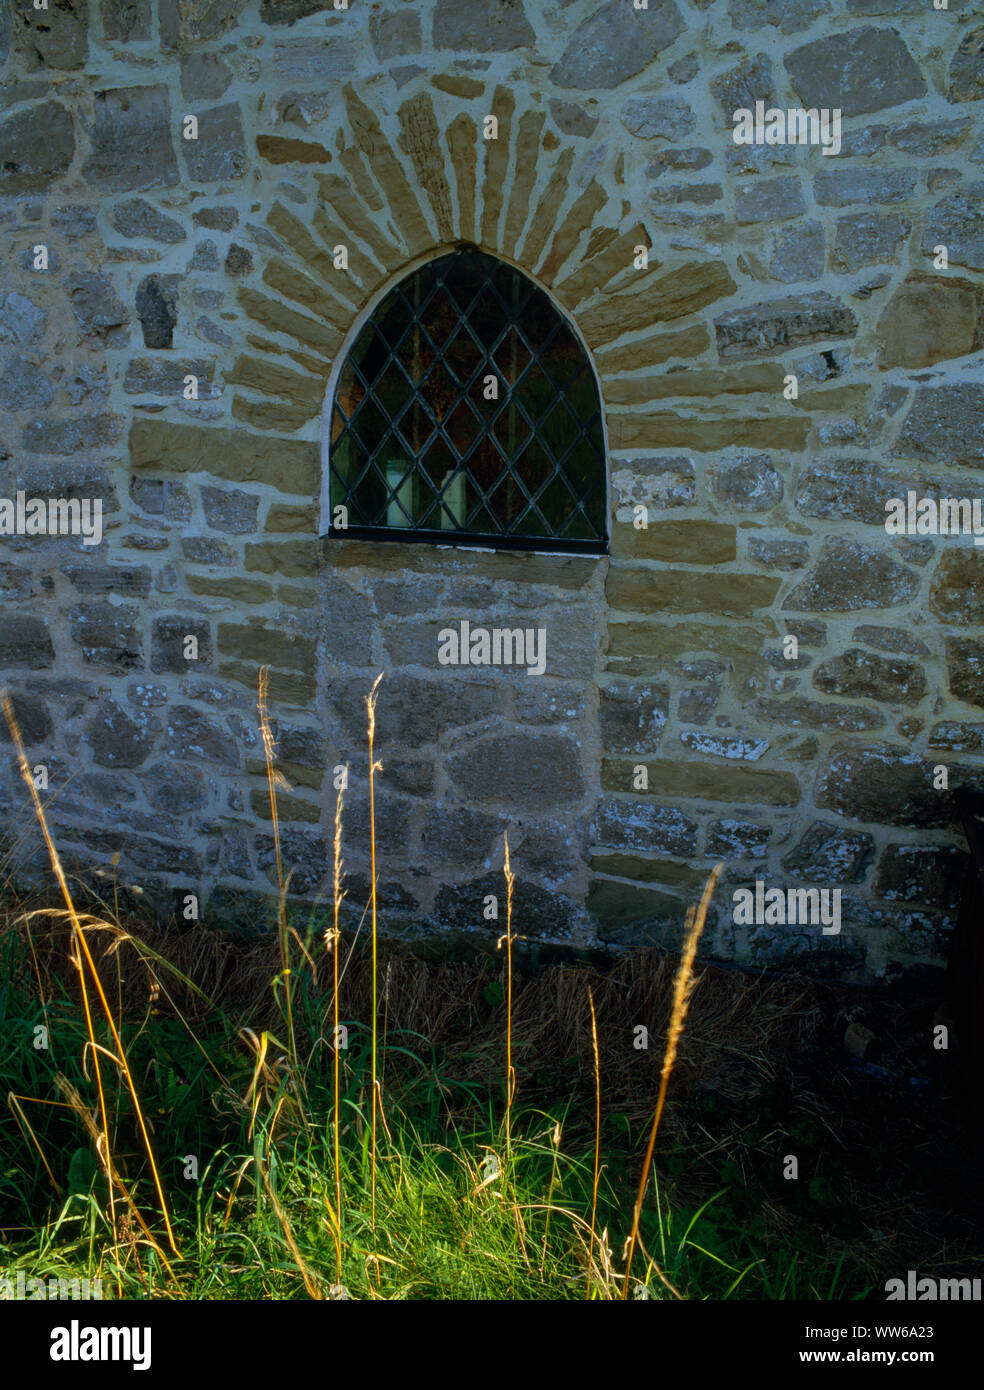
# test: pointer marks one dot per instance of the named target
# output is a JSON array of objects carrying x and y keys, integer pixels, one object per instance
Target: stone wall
[{"x": 169, "y": 258}]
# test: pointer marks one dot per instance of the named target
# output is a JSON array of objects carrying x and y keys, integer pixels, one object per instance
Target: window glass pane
[
  {"x": 416, "y": 446},
  {"x": 463, "y": 425},
  {"x": 464, "y": 357}
]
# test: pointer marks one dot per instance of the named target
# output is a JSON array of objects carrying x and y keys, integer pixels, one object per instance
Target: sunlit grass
[{"x": 263, "y": 1160}]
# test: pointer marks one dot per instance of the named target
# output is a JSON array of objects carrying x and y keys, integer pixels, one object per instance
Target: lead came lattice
[{"x": 419, "y": 452}]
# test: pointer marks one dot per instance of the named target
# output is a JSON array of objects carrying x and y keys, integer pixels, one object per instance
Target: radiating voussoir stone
[{"x": 572, "y": 119}]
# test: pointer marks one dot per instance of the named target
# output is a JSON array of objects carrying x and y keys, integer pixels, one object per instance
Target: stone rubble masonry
[{"x": 668, "y": 659}]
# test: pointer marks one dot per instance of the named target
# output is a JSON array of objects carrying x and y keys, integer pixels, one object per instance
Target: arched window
[{"x": 467, "y": 410}]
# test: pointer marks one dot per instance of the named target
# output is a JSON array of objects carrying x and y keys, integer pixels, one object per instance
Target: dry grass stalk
[
  {"x": 273, "y": 777},
  {"x": 310, "y": 1282},
  {"x": 510, "y": 1071},
  {"x": 373, "y": 768},
  {"x": 80, "y": 948},
  {"x": 336, "y": 1061},
  {"x": 556, "y": 1134},
  {"x": 596, "y": 1170},
  {"x": 26, "y": 1128},
  {"x": 683, "y": 985}
]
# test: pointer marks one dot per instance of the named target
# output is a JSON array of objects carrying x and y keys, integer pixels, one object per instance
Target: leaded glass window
[{"x": 467, "y": 410}]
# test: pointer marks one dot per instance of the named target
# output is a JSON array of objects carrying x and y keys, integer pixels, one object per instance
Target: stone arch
[{"x": 394, "y": 204}]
